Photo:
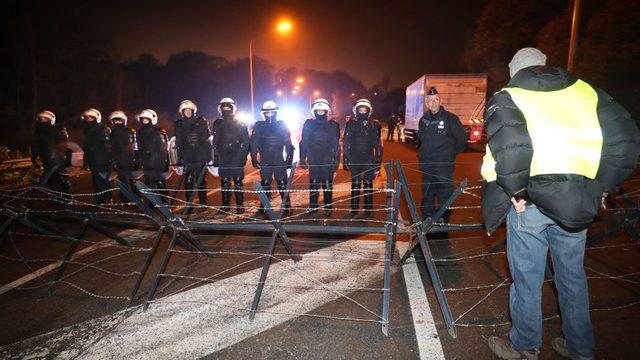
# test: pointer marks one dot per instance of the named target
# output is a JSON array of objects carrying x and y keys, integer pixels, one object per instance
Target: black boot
[
  {"x": 313, "y": 196},
  {"x": 282, "y": 186},
  {"x": 327, "y": 186},
  {"x": 368, "y": 197},
  {"x": 161, "y": 186},
  {"x": 239, "y": 193},
  {"x": 266, "y": 185},
  {"x": 355, "y": 197},
  {"x": 202, "y": 192},
  {"x": 225, "y": 184}
]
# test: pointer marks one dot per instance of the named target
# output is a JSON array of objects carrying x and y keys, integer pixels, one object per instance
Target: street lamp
[{"x": 283, "y": 27}]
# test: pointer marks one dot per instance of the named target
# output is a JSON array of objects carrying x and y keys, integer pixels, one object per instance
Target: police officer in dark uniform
[
  {"x": 440, "y": 138},
  {"x": 231, "y": 148},
  {"x": 362, "y": 154},
  {"x": 46, "y": 138},
  {"x": 154, "y": 152},
  {"x": 97, "y": 154},
  {"x": 270, "y": 141},
  {"x": 124, "y": 148},
  {"x": 193, "y": 145},
  {"x": 320, "y": 153}
]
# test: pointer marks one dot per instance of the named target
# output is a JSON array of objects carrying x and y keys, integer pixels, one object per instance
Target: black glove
[
  {"x": 255, "y": 164},
  {"x": 345, "y": 166},
  {"x": 303, "y": 164}
]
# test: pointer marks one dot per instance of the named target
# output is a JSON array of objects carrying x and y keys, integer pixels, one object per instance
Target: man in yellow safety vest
[{"x": 556, "y": 147}]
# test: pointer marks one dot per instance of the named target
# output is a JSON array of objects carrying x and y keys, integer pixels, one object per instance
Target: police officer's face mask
[
  {"x": 270, "y": 116},
  {"x": 321, "y": 114},
  {"x": 362, "y": 113}
]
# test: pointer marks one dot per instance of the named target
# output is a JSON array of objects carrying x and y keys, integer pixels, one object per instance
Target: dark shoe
[
  {"x": 239, "y": 209},
  {"x": 327, "y": 212},
  {"x": 368, "y": 213},
  {"x": 560, "y": 346},
  {"x": 353, "y": 212},
  {"x": 504, "y": 350}
]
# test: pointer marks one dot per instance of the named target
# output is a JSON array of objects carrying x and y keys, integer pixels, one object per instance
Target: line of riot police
[{"x": 114, "y": 150}]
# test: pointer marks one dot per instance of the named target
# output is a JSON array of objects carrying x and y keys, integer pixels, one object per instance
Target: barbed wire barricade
[
  {"x": 620, "y": 211},
  {"x": 169, "y": 214}
]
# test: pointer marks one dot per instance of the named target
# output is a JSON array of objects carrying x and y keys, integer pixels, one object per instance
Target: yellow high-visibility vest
[{"x": 564, "y": 130}]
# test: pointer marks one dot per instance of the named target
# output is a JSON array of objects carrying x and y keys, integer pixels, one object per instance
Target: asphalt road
[{"x": 326, "y": 306}]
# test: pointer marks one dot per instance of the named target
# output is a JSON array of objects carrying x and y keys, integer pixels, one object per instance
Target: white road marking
[
  {"x": 181, "y": 327},
  {"x": 128, "y": 234},
  {"x": 429, "y": 344}
]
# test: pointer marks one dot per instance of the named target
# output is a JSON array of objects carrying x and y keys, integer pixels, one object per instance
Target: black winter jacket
[
  {"x": 440, "y": 138},
  {"x": 569, "y": 199}
]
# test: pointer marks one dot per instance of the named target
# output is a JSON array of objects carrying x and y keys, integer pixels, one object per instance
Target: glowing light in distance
[
  {"x": 316, "y": 93},
  {"x": 284, "y": 26},
  {"x": 291, "y": 117},
  {"x": 279, "y": 92},
  {"x": 244, "y": 118},
  {"x": 300, "y": 80}
]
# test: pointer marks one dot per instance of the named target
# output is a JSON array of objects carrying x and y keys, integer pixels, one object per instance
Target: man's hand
[
  {"x": 603, "y": 201},
  {"x": 519, "y": 205},
  {"x": 303, "y": 164},
  {"x": 345, "y": 166},
  {"x": 255, "y": 165}
]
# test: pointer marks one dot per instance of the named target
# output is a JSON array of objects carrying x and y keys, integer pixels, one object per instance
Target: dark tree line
[
  {"x": 59, "y": 58},
  {"x": 608, "y": 46}
]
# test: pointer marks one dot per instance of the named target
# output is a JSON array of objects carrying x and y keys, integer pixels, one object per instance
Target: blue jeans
[{"x": 530, "y": 235}]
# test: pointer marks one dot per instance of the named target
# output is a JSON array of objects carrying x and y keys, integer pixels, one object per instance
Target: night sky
[{"x": 368, "y": 39}]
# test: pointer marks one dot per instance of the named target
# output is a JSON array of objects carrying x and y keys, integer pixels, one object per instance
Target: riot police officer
[
  {"x": 272, "y": 151},
  {"x": 124, "y": 149},
  {"x": 362, "y": 154},
  {"x": 231, "y": 148},
  {"x": 97, "y": 153},
  {"x": 320, "y": 153},
  {"x": 154, "y": 153},
  {"x": 46, "y": 138},
  {"x": 193, "y": 145}
]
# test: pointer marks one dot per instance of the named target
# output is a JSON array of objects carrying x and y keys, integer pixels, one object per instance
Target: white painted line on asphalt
[
  {"x": 429, "y": 344},
  {"x": 25, "y": 279},
  {"x": 212, "y": 317},
  {"x": 129, "y": 234}
]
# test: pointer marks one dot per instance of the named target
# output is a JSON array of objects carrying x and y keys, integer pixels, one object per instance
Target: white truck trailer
[{"x": 462, "y": 94}]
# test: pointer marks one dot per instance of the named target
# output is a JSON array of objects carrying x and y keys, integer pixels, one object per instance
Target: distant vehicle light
[
  {"x": 245, "y": 118},
  {"x": 291, "y": 117}
]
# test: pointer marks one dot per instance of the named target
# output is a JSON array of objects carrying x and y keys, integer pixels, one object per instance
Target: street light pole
[
  {"x": 251, "y": 76},
  {"x": 573, "y": 40}
]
